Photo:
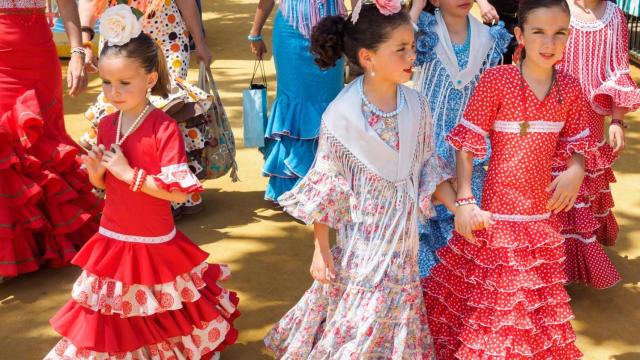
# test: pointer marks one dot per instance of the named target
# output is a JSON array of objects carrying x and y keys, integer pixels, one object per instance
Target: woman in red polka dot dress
[
  {"x": 499, "y": 291},
  {"x": 597, "y": 55}
]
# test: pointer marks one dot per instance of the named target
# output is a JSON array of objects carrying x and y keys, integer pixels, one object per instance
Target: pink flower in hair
[{"x": 388, "y": 7}]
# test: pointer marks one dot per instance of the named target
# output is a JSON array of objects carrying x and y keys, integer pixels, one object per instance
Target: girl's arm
[
  {"x": 76, "y": 75},
  {"x": 262, "y": 13},
  {"x": 616, "y": 132},
  {"x": 468, "y": 217},
  {"x": 446, "y": 194},
  {"x": 416, "y": 8},
  {"x": 191, "y": 16},
  {"x": 322, "y": 268},
  {"x": 118, "y": 166}
]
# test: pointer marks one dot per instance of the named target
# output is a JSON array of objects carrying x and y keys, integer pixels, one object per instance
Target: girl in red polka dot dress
[
  {"x": 499, "y": 291},
  {"x": 597, "y": 55},
  {"x": 146, "y": 291}
]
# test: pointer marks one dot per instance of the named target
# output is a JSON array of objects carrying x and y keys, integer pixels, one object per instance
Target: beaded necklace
[{"x": 375, "y": 109}]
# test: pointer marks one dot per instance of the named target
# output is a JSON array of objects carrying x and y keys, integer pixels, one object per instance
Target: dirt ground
[{"x": 269, "y": 253}]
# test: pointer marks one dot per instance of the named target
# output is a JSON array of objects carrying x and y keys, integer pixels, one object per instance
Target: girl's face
[
  {"x": 456, "y": 8},
  {"x": 544, "y": 35},
  {"x": 393, "y": 60},
  {"x": 125, "y": 82}
]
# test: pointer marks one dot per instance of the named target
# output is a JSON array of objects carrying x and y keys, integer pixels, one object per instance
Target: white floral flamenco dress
[{"x": 369, "y": 175}]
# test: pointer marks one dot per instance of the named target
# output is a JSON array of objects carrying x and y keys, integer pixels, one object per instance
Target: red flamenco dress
[
  {"x": 47, "y": 208},
  {"x": 597, "y": 54},
  {"x": 146, "y": 291},
  {"x": 504, "y": 298}
]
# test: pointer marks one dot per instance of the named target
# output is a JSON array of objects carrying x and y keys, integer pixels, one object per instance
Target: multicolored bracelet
[
  {"x": 466, "y": 201},
  {"x": 139, "y": 178},
  {"x": 79, "y": 51},
  {"x": 252, "y": 38},
  {"x": 620, "y": 123}
]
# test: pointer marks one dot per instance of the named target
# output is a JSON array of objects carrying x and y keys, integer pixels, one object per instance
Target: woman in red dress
[
  {"x": 146, "y": 291},
  {"x": 499, "y": 293},
  {"x": 47, "y": 208}
]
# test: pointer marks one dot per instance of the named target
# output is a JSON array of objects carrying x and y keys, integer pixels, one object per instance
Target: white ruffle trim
[
  {"x": 110, "y": 296},
  {"x": 201, "y": 341}
]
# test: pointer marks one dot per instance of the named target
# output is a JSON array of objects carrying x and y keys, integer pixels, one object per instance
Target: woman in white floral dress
[
  {"x": 169, "y": 23},
  {"x": 372, "y": 174}
]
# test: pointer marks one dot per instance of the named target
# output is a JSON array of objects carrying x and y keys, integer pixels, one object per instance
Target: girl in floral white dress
[{"x": 374, "y": 171}]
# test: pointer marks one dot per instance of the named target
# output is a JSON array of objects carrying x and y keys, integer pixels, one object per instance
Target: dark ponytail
[
  {"x": 335, "y": 36},
  {"x": 150, "y": 56}
]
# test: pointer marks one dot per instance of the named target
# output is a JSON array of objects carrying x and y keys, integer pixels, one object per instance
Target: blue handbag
[{"x": 254, "y": 109}]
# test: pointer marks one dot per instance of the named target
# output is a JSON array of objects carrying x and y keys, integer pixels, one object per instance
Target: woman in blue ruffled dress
[
  {"x": 453, "y": 50},
  {"x": 304, "y": 90}
]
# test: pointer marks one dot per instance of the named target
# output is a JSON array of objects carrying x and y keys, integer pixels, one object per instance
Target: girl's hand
[
  {"x": 488, "y": 12},
  {"x": 565, "y": 189},
  {"x": 322, "y": 269},
  {"x": 616, "y": 137},
  {"x": 258, "y": 48},
  {"x": 465, "y": 218},
  {"x": 117, "y": 164},
  {"x": 92, "y": 161},
  {"x": 77, "y": 80},
  {"x": 482, "y": 219}
]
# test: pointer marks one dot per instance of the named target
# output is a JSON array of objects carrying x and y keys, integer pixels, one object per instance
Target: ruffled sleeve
[
  {"x": 434, "y": 171},
  {"x": 618, "y": 89},
  {"x": 174, "y": 170},
  {"x": 478, "y": 118},
  {"x": 502, "y": 38},
  {"x": 575, "y": 136},
  {"x": 323, "y": 195},
  {"x": 426, "y": 39}
]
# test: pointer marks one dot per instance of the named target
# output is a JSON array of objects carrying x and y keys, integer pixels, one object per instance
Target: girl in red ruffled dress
[
  {"x": 146, "y": 291},
  {"x": 499, "y": 293},
  {"x": 597, "y": 54},
  {"x": 47, "y": 208}
]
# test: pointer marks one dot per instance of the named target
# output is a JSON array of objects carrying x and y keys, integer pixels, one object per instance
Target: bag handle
[
  {"x": 258, "y": 64},
  {"x": 208, "y": 84}
]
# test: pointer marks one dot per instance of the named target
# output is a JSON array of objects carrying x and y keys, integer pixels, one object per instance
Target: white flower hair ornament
[
  {"x": 386, "y": 7},
  {"x": 119, "y": 24}
]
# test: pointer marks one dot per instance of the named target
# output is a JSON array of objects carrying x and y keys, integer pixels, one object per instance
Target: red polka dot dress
[
  {"x": 597, "y": 55},
  {"x": 504, "y": 298},
  {"x": 146, "y": 291}
]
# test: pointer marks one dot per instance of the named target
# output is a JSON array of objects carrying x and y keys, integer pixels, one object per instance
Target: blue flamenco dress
[
  {"x": 448, "y": 82},
  {"x": 304, "y": 92}
]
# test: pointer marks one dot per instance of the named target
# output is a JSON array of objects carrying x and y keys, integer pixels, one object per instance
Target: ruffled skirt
[
  {"x": 591, "y": 224},
  {"x": 503, "y": 298},
  {"x": 351, "y": 320},
  {"x": 47, "y": 208},
  {"x": 145, "y": 301},
  {"x": 304, "y": 92}
]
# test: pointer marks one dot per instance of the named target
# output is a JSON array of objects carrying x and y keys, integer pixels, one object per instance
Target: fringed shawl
[{"x": 381, "y": 174}]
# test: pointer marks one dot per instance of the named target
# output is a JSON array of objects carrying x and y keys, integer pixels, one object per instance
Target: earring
[
  {"x": 372, "y": 73},
  {"x": 148, "y": 92}
]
